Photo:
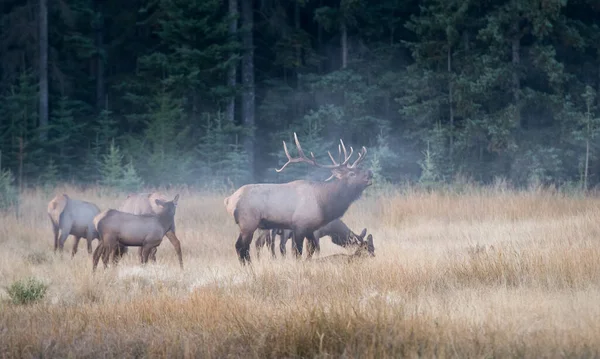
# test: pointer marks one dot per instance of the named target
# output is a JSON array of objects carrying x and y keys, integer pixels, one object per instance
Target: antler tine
[
  {"x": 361, "y": 156},
  {"x": 348, "y": 157},
  {"x": 290, "y": 159},
  {"x": 344, "y": 149},
  {"x": 331, "y": 157}
]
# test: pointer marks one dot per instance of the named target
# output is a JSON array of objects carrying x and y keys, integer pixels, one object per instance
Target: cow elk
[
  {"x": 302, "y": 206},
  {"x": 133, "y": 230},
  {"x": 72, "y": 217},
  {"x": 365, "y": 249},
  {"x": 145, "y": 203}
]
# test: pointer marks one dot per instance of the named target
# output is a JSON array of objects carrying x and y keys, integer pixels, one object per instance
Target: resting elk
[
  {"x": 72, "y": 217},
  {"x": 302, "y": 206},
  {"x": 145, "y": 203},
  {"x": 365, "y": 249}
]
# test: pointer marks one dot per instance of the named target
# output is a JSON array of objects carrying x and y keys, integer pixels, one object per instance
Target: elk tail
[{"x": 235, "y": 216}]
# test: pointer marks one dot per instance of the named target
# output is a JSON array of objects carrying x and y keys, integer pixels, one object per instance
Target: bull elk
[
  {"x": 145, "y": 203},
  {"x": 72, "y": 217},
  {"x": 337, "y": 230},
  {"x": 302, "y": 205},
  {"x": 119, "y": 228}
]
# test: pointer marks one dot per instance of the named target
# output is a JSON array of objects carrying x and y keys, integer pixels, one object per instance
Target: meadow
[{"x": 478, "y": 274}]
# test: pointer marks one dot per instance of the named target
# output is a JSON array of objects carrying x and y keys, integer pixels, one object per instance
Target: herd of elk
[
  {"x": 302, "y": 206},
  {"x": 337, "y": 230},
  {"x": 299, "y": 209}
]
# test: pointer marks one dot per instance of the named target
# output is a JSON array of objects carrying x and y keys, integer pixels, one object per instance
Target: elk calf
[
  {"x": 72, "y": 217},
  {"x": 147, "y": 231},
  {"x": 365, "y": 249},
  {"x": 145, "y": 203}
]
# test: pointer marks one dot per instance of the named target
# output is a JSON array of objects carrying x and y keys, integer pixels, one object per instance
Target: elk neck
[
  {"x": 335, "y": 197},
  {"x": 166, "y": 221}
]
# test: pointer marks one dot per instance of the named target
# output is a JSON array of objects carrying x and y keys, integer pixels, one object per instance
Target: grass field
[{"x": 489, "y": 273}]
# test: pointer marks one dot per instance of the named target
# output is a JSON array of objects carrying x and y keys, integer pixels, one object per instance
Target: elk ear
[
  {"x": 363, "y": 233},
  {"x": 370, "y": 244},
  {"x": 160, "y": 202},
  {"x": 176, "y": 199}
]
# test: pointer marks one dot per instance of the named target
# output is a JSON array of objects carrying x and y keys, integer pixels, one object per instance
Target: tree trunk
[
  {"x": 43, "y": 37},
  {"x": 516, "y": 61},
  {"x": 344, "y": 42},
  {"x": 232, "y": 74},
  {"x": 248, "y": 82},
  {"x": 99, "y": 42},
  {"x": 450, "y": 99},
  {"x": 298, "y": 62}
]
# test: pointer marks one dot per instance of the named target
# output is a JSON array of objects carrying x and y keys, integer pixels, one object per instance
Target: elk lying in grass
[
  {"x": 133, "y": 230},
  {"x": 337, "y": 230},
  {"x": 72, "y": 217},
  {"x": 145, "y": 203},
  {"x": 365, "y": 249},
  {"x": 302, "y": 206}
]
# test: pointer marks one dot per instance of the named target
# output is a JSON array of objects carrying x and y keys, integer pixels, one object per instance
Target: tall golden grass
[{"x": 487, "y": 273}]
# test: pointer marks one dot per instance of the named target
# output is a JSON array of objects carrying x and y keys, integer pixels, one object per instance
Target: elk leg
[
  {"x": 298, "y": 243},
  {"x": 90, "y": 238},
  {"x": 146, "y": 249},
  {"x": 97, "y": 254},
  {"x": 258, "y": 244},
  {"x": 62, "y": 240},
  {"x": 282, "y": 243},
  {"x": 271, "y": 244},
  {"x": 75, "y": 245},
  {"x": 242, "y": 246},
  {"x": 55, "y": 230},
  {"x": 176, "y": 244},
  {"x": 312, "y": 245},
  {"x": 153, "y": 254}
]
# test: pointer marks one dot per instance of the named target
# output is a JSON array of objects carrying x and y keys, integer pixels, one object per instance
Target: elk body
[
  {"x": 302, "y": 206},
  {"x": 133, "y": 230},
  {"x": 337, "y": 230},
  {"x": 145, "y": 203},
  {"x": 365, "y": 249},
  {"x": 72, "y": 217}
]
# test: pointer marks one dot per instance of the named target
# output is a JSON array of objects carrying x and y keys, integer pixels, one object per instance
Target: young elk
[
  {"x": 337, "y": 230},
  {"x": 72, "y": 217},
  {"x": 302, "y": 206},
  {"x": 145, "y": 203},
  {"x": 134, "y": 230},
  {"x": 365, "y": 249}
]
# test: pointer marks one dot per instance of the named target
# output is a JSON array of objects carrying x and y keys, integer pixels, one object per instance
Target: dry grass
[{"x": 485, "y": 274}]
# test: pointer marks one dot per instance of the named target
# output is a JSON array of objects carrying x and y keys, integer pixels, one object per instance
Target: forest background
[{"x": 202, "y": 92}]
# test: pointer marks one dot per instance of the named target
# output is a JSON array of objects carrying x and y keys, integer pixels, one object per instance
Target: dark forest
[{"x": 202, "y": 92}]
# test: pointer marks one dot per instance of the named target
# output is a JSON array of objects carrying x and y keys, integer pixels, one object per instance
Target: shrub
[{"x": 27, "y": 291}]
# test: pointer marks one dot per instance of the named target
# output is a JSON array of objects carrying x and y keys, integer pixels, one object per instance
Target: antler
[{"x": 313, "y": 161}]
